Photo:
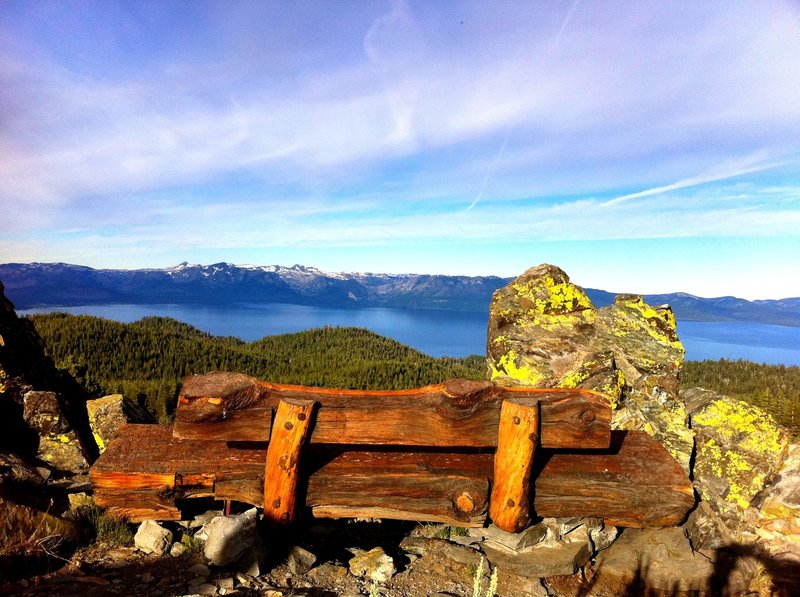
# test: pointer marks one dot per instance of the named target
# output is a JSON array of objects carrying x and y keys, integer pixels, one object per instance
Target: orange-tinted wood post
[
  {"x": 518, "y": 434},
  {"x": 292, "y": 427}
]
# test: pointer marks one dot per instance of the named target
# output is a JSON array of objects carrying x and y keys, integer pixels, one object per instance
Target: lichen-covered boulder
[
  {"x": 58, "y": 443},
  {"x": 545, "y": 332},
  {"x": 108, "y": 413},
  {"x": 779, "y": 507},
  {"x": 739, "y": 448}
]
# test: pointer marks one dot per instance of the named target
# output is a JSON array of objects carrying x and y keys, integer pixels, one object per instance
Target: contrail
[
  {"x": 693, "y": 181},
  {"x": 564, "y": 24},
  {"x": 492, "y": 168},
  {"x": 500, "y": 153}
]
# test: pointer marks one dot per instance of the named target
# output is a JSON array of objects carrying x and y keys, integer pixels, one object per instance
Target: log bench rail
[{"x": 452, "y": 452}]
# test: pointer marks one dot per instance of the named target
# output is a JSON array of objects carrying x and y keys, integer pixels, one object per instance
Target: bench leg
[
  {"x": 292, "y": 427},
  {"x": 518, "y": 435}
]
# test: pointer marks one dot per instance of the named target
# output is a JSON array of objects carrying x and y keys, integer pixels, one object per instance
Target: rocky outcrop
[
  {"x": 545, "y": 332},
  {"x": 44, "y": 438},
  {"x": 24, "y": 368}
]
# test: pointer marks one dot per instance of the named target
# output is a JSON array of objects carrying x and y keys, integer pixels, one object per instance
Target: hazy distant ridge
[{"x": 59, "y": 284}]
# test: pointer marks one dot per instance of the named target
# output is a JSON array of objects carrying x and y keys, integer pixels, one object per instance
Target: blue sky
[{"x": 643, "y": 146}]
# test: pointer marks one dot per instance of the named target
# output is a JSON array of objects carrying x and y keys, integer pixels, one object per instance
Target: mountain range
[{"x": 31, "y": 285}]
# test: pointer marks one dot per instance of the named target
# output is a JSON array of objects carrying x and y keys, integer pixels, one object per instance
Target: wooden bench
[{"x": 455, "y": 453}]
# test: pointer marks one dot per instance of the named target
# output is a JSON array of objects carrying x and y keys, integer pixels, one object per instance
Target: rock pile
[{"x": 545, "y": 332}]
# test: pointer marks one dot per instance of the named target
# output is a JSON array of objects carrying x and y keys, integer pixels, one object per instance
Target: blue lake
[{"x": 438, "y": 333}]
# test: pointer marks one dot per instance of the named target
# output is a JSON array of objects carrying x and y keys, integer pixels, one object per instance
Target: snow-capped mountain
[{"x": 60, "y": 284}]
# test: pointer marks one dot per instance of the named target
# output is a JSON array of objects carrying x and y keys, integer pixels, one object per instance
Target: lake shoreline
[{"x": 437, "y": 332}]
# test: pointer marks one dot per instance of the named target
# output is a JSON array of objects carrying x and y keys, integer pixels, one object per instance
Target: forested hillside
[{"x": 147, "y": 360}]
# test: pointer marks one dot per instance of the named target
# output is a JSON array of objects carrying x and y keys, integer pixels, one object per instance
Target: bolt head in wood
[
  {"x": 288, "y": 426},
  {"x": 511, "y": 503},
  {"x": 302, "y": 416},
  {"x": 516, "y": 420}
]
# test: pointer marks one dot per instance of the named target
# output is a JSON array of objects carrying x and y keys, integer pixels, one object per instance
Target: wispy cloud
[{"x": 381, "y": 122}]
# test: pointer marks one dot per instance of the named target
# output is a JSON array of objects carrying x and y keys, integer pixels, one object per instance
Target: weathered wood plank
[
  {"x": 292, "y": 425},
  {"x": 518, "y": 435},
  {"x": 635, "y": 483},
  {"x": 457, "y": 413},
  {"x": 423, "y": 486}
]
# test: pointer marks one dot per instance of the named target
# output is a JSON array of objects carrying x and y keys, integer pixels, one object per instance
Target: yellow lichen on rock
[
  {"x": 507, "y": 366},
  {"x": 752, "y": 429},
  {"x": 739, "y": 449},
  {"x": 545, "y": 294}
]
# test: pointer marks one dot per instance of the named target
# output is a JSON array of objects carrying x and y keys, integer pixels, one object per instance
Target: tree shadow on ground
[{"x": 737, "y": 569}]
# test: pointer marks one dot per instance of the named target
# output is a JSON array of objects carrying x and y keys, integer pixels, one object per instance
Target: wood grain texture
[
  {"x": 457, "y": 413},
  {"x": 292, "y": 426},
  {"x": 422, "y": 486},
  {"x": 633, "y": 483},
  {"x": 518, "y": 436}
]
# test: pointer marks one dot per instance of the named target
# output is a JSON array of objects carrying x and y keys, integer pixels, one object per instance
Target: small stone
[
  {"x": 244, "y": 579},
  {"x": 328, "y": 570},
  {"x": 206, "y": 589},
  {"x": 177, "y": 550},
  {"x": 530, "y": 536},
  {"x": 373, "y": 564},
  {"x": 200, "y": 570},
  {"x": 151, "y": 537},
  {"x": 204, "y": 518},
  {"x": 225, "y": 583},
  {"x": 300, "y": 560},
  {"x": 76, "y": 500},
  {"x": 230, "y": 536}
]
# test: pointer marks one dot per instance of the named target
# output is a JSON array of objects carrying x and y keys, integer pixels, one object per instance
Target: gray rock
[
  {"x": 300, "y": 560},
  {"x": 373, "y": 564},
  {"x": 225, "y": 582},
  {"x": 229, "y": 537},
  {"x": 655, "y": 559},
  {"x": 151, "y": 537},
  {"x": 603, "y": 536},
  {"x": 203, "y": 519},
  {"x": 779, "y": 507},
  {"x": 532, "y": 535},
  {"x": 441, "y": 548},
  {"x": 200, "y": 570},
  {"x": 177, "y": 550},
  {"x": 540, "y": 560}
]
